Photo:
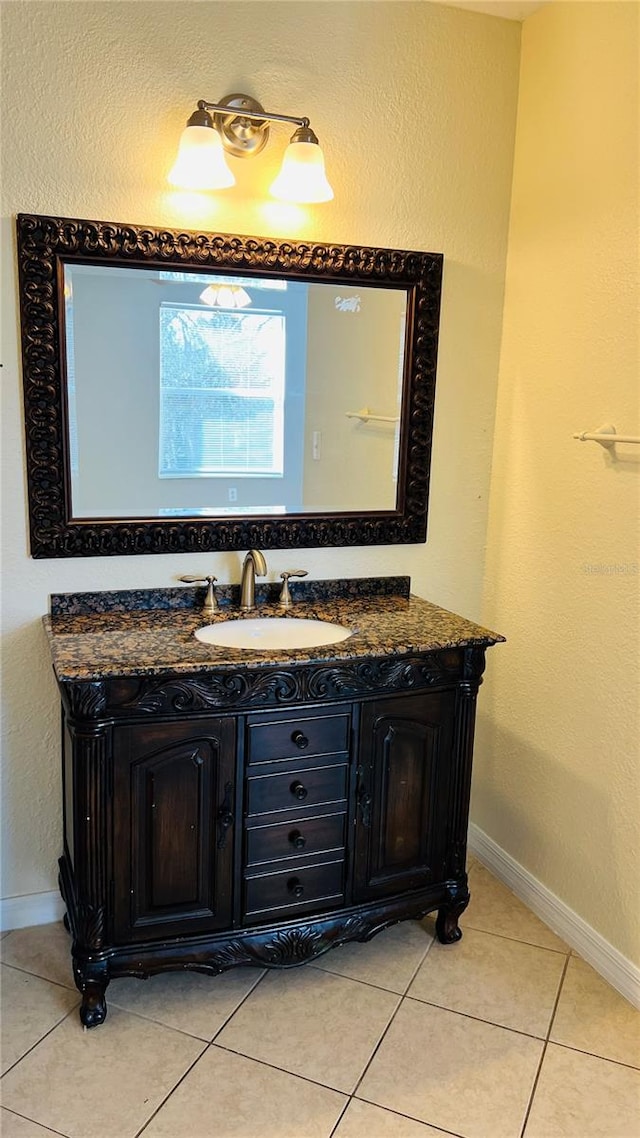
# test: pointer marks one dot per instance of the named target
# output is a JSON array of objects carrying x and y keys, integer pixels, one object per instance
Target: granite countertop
[{"x": 96, "y": 645}]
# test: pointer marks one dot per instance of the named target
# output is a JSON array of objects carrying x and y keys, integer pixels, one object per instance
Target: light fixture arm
[
  {"x": 259, "y": 114},
  {"x": 243, "y": 124}
]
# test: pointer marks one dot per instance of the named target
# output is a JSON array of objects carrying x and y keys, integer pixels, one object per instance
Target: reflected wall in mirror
[{"x": 192, "y": 392}]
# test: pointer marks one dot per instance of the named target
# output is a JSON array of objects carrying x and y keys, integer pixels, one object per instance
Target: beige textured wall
[
  {"x": 415, "y": 106},
  {"x": 556, "y": 775}
]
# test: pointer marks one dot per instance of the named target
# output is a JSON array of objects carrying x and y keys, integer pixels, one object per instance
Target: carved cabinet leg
[
  {"x": 91, "y": 979},
  {"x": 447, "y": 929},
  {"x": 93, "y": 1009}
]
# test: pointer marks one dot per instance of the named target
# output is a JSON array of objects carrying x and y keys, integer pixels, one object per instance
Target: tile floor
[{"x": 505, "y": 1035}]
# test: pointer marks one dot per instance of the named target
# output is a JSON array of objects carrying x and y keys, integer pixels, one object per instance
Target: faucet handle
[
  {"x": 286, "y": 600},
  {"x": 210, "y": 602}
]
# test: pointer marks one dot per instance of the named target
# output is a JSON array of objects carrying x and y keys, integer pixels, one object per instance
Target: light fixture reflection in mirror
[
  {"x": 208, "y": 409},
  {"x": 225, "y": 296}
]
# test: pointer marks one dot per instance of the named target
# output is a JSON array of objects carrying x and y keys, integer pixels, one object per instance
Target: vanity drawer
[
  {"x": 298, "y": 838},
  {"x": 292, "y": 889},
  {"x": 306, "y": 787},
  {"x": 296, "y": 737}
]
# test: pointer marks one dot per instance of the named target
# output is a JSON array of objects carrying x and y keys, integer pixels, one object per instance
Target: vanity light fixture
[{"x": 240, "y": 125}]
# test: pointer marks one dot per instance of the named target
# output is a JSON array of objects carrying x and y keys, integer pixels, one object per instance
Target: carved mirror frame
[{"x": 46, "y": 244}]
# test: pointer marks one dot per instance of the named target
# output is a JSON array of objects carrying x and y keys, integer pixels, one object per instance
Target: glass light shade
[
  {"x": 200, "y": 162},
  {"x": 302, "y": 176},
  {"x": 225, "y": 296}
]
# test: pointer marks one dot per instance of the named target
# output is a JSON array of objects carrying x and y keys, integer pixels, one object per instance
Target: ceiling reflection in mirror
[{"x": 209, "y": 396}]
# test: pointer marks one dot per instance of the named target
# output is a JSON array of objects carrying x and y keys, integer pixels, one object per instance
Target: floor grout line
[
  {"x": 284, "y": 1070},
  {"x": 173, "y": 1089},
  {"x": 38, "y": 976},
  {"x": 379, "y": 987},
  {"x": 518, "y": 940},
  {"x": 570, "y": 1046},
  {"x": 382, "y": 1037},
  {"x": 594, "y": 1055},
  {"x": 206, "y": 1047},
  {"x": 544, "y": 1050},
  {"x": 237, "y": 1008},
  {"x": 355, "y": 980},
  {"x": 377, "y": 1047},
  {"x": 410, "y": 1117},
  {"x": 170, "y": 1026},
  {"x": 41, "y": 1039},
  {"x": 341, "y": 1116},
  {"x": 49, "y": 1129},
  {"x": 478, "y": 1019}
]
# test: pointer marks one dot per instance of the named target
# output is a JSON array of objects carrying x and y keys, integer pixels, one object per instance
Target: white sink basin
[{"x": 272, "y": 632}]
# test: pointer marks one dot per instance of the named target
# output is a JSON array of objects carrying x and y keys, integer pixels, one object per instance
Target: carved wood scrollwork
[
  {"x": 45, "y": 243},
  {"x": 474, "y": 665},
  {"x": 273, "y": 948},
  {"x": 290, "y": 948},
  {"x": 86, "y": 700},
  {"x": 90, "y": 924},
  {"x": 372, "y": 675},
  {"x": 276, "y": 687}
]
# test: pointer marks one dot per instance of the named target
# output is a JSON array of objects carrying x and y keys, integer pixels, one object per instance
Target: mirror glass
[{"x": 204, "y": 395}]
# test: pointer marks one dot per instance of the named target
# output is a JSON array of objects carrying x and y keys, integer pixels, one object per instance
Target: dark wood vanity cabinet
[{"x": 262, "y": 816}]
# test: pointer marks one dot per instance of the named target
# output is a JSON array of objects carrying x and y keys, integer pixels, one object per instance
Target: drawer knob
[
  {"x": 298, "y": 791},
  {"x": 300, "y": 740},
  {"x": 295, "y": 886},
  {"x": 297, "y": 841}
]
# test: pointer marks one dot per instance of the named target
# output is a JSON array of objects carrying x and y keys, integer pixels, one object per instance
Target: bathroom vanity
[{"x": 225, "y": 807}]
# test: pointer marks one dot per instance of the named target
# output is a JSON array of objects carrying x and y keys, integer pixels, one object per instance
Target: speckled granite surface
[
  {"x": 191, "y": 597},
  {"x": 95, "y": 646}
]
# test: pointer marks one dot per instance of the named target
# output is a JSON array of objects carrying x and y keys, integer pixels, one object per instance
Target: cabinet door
[
  {"x": 173, "y": 815},
  {"x": 403, "y": 774}
]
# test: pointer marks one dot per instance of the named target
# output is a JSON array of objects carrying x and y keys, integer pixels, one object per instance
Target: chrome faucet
[{"x": 254, "y": 563}]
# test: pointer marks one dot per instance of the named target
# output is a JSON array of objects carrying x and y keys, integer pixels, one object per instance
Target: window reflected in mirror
[{"x": 211, "y": 395}]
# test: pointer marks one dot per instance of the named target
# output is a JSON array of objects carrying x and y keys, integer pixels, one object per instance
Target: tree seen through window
[{"x": 222, "y": 380}]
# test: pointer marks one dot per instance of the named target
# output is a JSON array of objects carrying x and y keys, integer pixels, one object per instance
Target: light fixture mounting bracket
[{"x": 243, "y": 135}]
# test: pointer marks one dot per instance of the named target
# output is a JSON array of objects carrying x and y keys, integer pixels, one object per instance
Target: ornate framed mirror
[{"x": 190, "y": 392}]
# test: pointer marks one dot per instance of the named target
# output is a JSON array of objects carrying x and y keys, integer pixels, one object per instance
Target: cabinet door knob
[
  {"x": 297, "y": 840},
  {"x": 298, "y": 791},
  {"x": 295, "y": 886},
  {"x": 300, "y": 740}
]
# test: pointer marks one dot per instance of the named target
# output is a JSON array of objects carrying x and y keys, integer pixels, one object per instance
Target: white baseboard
[
  {"x": 616, "y": 969},
  {"x": 30, "y": 909}
]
